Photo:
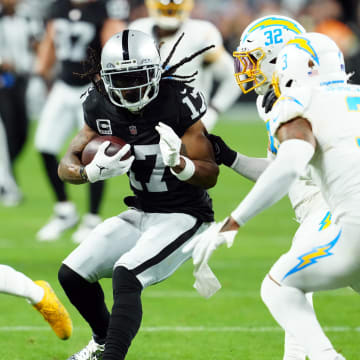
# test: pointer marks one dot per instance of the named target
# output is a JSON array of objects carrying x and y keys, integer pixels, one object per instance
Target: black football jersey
[
  {"x": 77, "y": 28},
  {"x": 156, "y": 189}
]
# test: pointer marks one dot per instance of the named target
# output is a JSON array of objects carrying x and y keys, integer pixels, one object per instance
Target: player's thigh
[
  {"x": 158, "y": 252},
  {"x": 321, "y": 261},
  {"x": 95, "y": 257},
  {"x": 319, "y": 220},
  {"x": 56, "y": 122}
]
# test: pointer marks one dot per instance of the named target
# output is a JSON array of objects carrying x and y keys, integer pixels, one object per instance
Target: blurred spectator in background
[
  {"x": 167, "y": 21},
  {"x": 73, "y": 27},
  {"x": 18, "y": 38}
]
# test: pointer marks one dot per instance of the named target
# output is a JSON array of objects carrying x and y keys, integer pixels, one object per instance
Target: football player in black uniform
[
  {"x": 73, "y": 27},
  {"x": 172, "y": 164}
]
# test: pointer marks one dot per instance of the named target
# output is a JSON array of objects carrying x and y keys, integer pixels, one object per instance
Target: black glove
[
  {"x": 223, "y": 154},
  {"x": 269, "y": 100}
]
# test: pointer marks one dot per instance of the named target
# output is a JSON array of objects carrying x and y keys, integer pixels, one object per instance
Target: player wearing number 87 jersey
[
  {"x": 137, "y": 101},
  {"x": 73, "y": 27}
]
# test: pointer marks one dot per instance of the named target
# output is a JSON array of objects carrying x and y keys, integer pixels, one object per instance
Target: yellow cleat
[{"x": 54, "y": 311}]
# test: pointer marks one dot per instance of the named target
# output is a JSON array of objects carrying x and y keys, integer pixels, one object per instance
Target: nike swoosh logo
[{"x": 250, "y": 40}]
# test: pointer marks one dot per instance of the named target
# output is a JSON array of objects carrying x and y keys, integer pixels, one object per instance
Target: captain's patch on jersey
[{"x": 104, "y": 126}]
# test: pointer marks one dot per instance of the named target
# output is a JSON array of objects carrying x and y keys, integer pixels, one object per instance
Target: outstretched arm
[
  {"x": 247, "y": 166},
  {"x": 297, "y": 148}
]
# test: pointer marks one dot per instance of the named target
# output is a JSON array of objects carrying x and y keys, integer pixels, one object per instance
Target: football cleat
[
  {"x": 65, "y": 217},
  {"x": 54, "y": 311},
  {"x": 92, "y": 351},
  {"x": 10, "y": 197},
  {"x": 88, "y": 223}
]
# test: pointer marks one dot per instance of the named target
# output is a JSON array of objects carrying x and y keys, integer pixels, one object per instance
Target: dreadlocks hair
[
  {"x": 92, "y": 68},
  {"x": 169, "y": 72}
]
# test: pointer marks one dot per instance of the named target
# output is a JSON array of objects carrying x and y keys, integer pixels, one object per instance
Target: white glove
[
  {"x": 202, "y": 247},
  {"x": 104, "y": 167},
  {"x": 207, "y": 242},
  {"x": 170, "y": 145}
]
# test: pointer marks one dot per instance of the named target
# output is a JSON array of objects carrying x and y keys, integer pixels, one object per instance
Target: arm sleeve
[
  {"x": 276, "y": 180},
  {"x": 250, "y": 167},
  {"x": 228, "y": 91}
]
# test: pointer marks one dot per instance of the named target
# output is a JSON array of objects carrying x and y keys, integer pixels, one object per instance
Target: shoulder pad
[
  {"x": 117, "y": 9},
  {"x": 291, "y": 104},
  {"x": 90, "y": 99}
]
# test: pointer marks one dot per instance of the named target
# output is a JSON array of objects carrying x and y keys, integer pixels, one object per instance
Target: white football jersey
[
  {"x": 304, "y": 195},
  {"x": 198, "y": 34},
  {"x": 333, "y": 112}
]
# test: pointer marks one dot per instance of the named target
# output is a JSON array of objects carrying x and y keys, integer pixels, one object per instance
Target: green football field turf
[{"x": 177, "y": 322}]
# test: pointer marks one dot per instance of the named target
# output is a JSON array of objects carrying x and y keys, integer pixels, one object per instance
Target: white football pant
[{"x": 148, "y": 244}]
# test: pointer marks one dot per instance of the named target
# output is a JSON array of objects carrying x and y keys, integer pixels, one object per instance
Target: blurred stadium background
[{"x": 178, "y": 324}]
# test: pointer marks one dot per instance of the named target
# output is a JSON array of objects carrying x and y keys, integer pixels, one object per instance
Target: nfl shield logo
[{"x": 133, "y": 130}]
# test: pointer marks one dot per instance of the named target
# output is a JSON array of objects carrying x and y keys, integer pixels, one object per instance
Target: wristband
[
  {"x": 83, "y": 173},
  {"x": 188, "y": 171}
]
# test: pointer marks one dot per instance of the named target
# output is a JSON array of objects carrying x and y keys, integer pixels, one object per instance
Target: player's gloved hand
[
  {"x": 223, "y": 154},
  {"x": 170, "y": 145},
  {"x": 104, "y": 167},
  {"x": 206, "y": 243},
  {"x": 269, "y": 100}
]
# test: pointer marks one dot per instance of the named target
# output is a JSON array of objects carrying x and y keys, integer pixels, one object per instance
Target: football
[{"x": 92, "y": 146}]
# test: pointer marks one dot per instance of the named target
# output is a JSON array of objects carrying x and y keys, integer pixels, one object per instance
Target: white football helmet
[
  {"x": 130, "y": 69},
  {"x": 311, "y": 59},
  {"x": 169, "y": 14},
  {"x": 259, "y": 46}
]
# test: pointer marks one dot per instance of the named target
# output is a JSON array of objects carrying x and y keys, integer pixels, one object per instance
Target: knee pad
[
  {"x": 125, "y": 282},
  {"x": 68, "y": 278}
]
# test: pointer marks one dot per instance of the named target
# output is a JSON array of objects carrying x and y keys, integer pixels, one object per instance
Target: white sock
[
  {"x": 296, "y": 316},
  {"x": 13, "y": 282},
  {"x": 293, "y": 350}
]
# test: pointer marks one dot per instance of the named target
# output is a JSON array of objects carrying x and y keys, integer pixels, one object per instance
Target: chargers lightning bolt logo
[
  {"x": 274, "y": 21},
  {"x": 313, "y": 256},
  {"x": 304, "y": 44},
  {"x": 326, "y": 221}
]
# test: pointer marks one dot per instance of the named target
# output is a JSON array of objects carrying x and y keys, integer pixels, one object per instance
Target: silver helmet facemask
[
  {"x": 133, "y": 87},
  {"x": 131, "y": 69}
]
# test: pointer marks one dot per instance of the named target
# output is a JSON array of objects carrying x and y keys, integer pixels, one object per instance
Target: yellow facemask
[{"x": 247, "y": 69}]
